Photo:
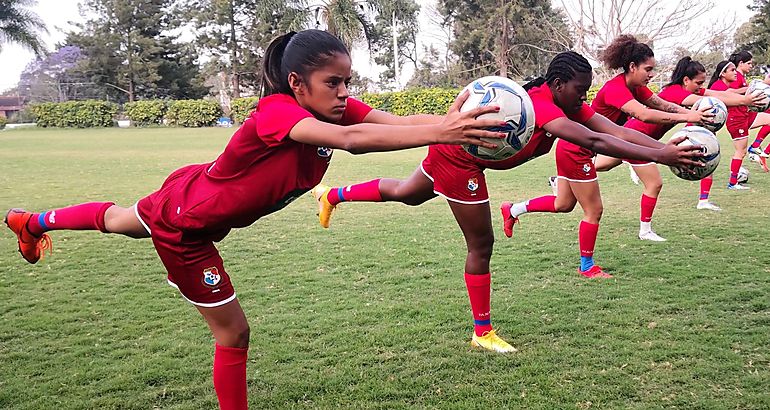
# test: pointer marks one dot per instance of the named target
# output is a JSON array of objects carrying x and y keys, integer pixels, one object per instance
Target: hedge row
[
  {"x": 75, "y": 114},
  {"x": 3, "y": 121},
  {"x": 240, "y": 108}
]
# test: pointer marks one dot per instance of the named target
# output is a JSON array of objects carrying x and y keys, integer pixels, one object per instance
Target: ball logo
[
  {"x": 473, "y": 184},
  {"x": 211, "y": 277},
  {"x": 586, "y": 168},
  {"x": 324, "y": 152}
]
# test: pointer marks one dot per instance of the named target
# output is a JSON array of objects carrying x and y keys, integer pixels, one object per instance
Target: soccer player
[
  {"x": 280, "y": 152},
  {"x": 755, "y": 149},
  {"x": 685, "y": 89},
  {"x": 449, "y": 171},
  {"x": 739, "y": 119}
]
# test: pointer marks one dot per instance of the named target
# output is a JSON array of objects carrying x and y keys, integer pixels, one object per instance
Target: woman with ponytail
[
  {"x": 450, "y": 172},
  {"x": 685, "y": 88},
  {"x": 280, "y": 152}
]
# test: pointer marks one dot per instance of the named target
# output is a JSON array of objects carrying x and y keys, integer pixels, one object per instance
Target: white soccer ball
[
  {"x": 516, "y": 110},
  {"x": 696, "y": 135},
  {"x": 743, "y": 175},
  {"x": 714, "y": 106},
  {"x": 758, "y": 87}
]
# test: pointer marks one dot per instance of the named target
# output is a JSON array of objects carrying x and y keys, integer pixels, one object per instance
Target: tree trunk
[
  {"x": 502, "y": 61},
  {"x": 235, "y": 75}
]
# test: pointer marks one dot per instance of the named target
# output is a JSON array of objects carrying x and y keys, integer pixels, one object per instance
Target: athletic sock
[
  {"x": 542, "y": 204},
  {"x": 735, "y": 166},
  {"x": 587, "y": 234},
  {"x": 366, "y": 191},
  {"x": 518, "y": 209},
  {"x": 88, "y": 216},
  {"x": 763, "y": 132},
  {"x": 230, "y": 377},
  {"x": 479, "y": 289},
  {"x": 705, "y": 187},
  {"x": 647, "y": 207}
]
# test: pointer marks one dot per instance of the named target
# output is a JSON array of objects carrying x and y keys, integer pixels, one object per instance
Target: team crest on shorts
[
  {"x": 586, "y": 168},
  {"x": 211, "y": 277},
  {"x": 324, "y": 152},
  {"x": 473, "y": 184}
]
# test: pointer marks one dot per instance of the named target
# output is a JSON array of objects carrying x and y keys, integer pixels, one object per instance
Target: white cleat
[
  {"x": 738, "y": 187},
  {"x": 553, "y": 183},
  {"x": 651, "y": 236},
  {"x": 634, "y": 178},
  {"x": 707, "y": 205}
]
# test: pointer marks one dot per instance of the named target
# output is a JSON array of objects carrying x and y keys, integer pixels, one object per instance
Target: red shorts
[
  {"x": 455, "y": 178},
  {"x": 740, "y": 129},
  {"x": 574, "y": 163},
  {"x": 191, "y": 259}
]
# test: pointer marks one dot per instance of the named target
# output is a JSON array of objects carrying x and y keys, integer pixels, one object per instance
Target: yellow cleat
[
  {"x": 325, "y": 209},
  {"x": 493, "y": 342}
]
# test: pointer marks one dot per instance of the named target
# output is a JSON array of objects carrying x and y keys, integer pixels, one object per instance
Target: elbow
[{"x": 645, "y": 116}]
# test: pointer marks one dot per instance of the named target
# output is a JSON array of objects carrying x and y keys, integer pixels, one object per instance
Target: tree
[
  {"x": 21, "y": 26},
  {"x": 399, "y": 16},
  {"x": 54, "y": 79},
  {"x": 486, "y": 41},
  {"x": 754, "y": 35}
]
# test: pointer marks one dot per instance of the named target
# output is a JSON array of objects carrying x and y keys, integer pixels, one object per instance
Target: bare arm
[
  {"x": 662, "y": 105},
  {"x": 382, "y": 117},
  {"x": 669, "y": 154},
  {"x": 673, "y": 116},
  {"x": 730, "y": 99},
  {"x": 601, "y": 124}
]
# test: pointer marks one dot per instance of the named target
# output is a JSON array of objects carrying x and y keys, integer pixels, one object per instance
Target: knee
[
  {"x": 482, "y": 246},
  {"x": 654, "y": 187},
  {"x": 412, "y": 200},
  {"x": 595, "y": 214},
  {"x": 564, "y": 207},
  {"x": 239, "y": 335}
]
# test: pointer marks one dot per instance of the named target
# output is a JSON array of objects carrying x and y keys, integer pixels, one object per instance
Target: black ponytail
[
  {"x": 564, "y": 67},
  {"x": 718, "y": 71},
  {"x": 300, "y": 53},
  {"x": 686, "y": 67},
  {"x": 740, "y": 57},
  {"x": 537, "y": 82}
]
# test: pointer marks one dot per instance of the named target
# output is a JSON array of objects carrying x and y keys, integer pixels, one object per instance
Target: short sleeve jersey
[
  {"x": 615, "y": 94},
  {"x": 674, "y": 93},
  {"x": 739, "y": 112},
  {"x": 260, "y": 171}
]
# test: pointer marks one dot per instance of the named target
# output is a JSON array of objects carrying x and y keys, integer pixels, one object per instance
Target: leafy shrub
[
  {"x": 413, "y": 101},
  {"x": 3, "y": 121},
  {"x": 240, "y": 108},
  {"x": 148, "y": 112},
  {"x": 75, "y": 114},
  {"x": 193, "y": 113}
]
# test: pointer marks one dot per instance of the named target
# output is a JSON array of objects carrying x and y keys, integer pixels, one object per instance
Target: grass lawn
[{"x": 373, "y": 313}]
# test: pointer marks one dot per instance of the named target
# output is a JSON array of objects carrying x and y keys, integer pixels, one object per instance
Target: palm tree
[{"x": 21, "y": 26}]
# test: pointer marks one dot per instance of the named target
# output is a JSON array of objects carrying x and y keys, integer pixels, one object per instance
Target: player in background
[
  {"x": 280, "y": 152},
  {"x": 623, "y": 96},
  {"x": 739, "y": 119},
  {"x": 755, "y": 149},
  {"x": 685, "y": 88},
  {"x": 449, "y": 171}
]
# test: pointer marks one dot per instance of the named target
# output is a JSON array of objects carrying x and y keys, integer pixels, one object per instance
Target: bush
[
  {"x": 148, "y": 112},
  {"x": 240, "y": 108},
  {"x": 3, "y": 121},
  {"x": 193, "y": 113},
  {"x": 413, "y": 101},
  {"x": 75, "y": 114}
]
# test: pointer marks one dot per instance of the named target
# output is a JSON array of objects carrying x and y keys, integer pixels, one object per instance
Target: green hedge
[
  {"x": 148, "y": 112},
  {"x": 240, "y": 108},
  {"x": 193, "y": 113},
  {"x": 75, "y": 114},
  {"x": 3, "y": 121},
  {"x": 414, "y": 101}
]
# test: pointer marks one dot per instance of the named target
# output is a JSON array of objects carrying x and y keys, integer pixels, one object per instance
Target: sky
[{"x": 57, "y": 15}]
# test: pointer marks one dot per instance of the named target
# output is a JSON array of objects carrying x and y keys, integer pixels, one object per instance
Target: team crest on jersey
[
  {"x": 324, "y": 152},
  {"x": 586, "y": 168},
  {"x": 473, "y": 184},
  {"x": 548, "y": 135},
  {"x": 211, "y": 277}
]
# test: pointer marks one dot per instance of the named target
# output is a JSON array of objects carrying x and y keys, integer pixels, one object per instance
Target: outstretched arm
[
  {"x": 600, "y": 123},
  {"x": 382, "y": 117},
  {"x": 671, "y": 113},
  {"x": 730, "y": 99}
]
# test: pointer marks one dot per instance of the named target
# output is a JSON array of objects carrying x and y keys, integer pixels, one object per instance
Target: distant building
[{"x": 9, "y": 105}]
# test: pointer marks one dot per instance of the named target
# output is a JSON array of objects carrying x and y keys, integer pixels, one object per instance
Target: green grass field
[{"x": 373, "y": 313}]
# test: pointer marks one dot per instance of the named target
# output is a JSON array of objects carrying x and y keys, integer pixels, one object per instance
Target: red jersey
[
  {"x": 739, "y": 113},
  {"x": 615, "y": 94},
  {"x": 674, "y": 93},
  {"x": 260, "y": 171}
]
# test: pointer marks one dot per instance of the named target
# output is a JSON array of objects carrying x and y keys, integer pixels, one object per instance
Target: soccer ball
[
  {"x": 717, "y": 107},
  {"x": 516, "y": 110},
  {"x": 743, "y": 175},
  {"x": 759, "y": 87},
  {"x": 696, "y": 135}
]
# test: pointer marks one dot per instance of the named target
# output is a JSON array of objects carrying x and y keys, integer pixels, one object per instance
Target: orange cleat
[
  {"x": 594, "y": 272},
  {"x": 763, "y": 163},
  {"x": 508, "y": 219},
  {"x": 31, "y": 247}
]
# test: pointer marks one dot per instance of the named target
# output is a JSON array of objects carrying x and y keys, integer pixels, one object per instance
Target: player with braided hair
[{"x": 450, "y": 172}]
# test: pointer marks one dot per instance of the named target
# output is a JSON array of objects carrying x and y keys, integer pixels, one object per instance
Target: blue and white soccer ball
[
  {"x": 743, "y": 175},
  {"x": 714, "y": 106},
  {"x": 696, "y": 135},
  {"x": 516, "y": 110},
  {"x": 758, "y": 87}
]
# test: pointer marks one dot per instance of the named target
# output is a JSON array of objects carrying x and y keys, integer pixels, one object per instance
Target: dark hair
[
  {"x": 740, "y": 57},
  {"x": 686, "y": 67},
  {"x": 718, "y": 71},
  {"x": 564, "y": 66},
  {"x": 624, "y": 50},
  {"x": 296, "y": 52}
]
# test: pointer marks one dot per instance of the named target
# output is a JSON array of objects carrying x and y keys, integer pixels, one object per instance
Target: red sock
[
  {"x": 587, "y": 238},
  {"x": 767, "y": 149},
  {"x": 366, "y": 191},
  {"x": 230, "y": 377},
  {"x": 647, "y": 208},
  {"x": 705, "y": 187},
  {"x": 763, "y": 132},
  {"x": 88, "y": 216},
  {"x": 735, "y": 166},
  {"x": 542, "y": 204},
  {"x": 479, "y": 292}
]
